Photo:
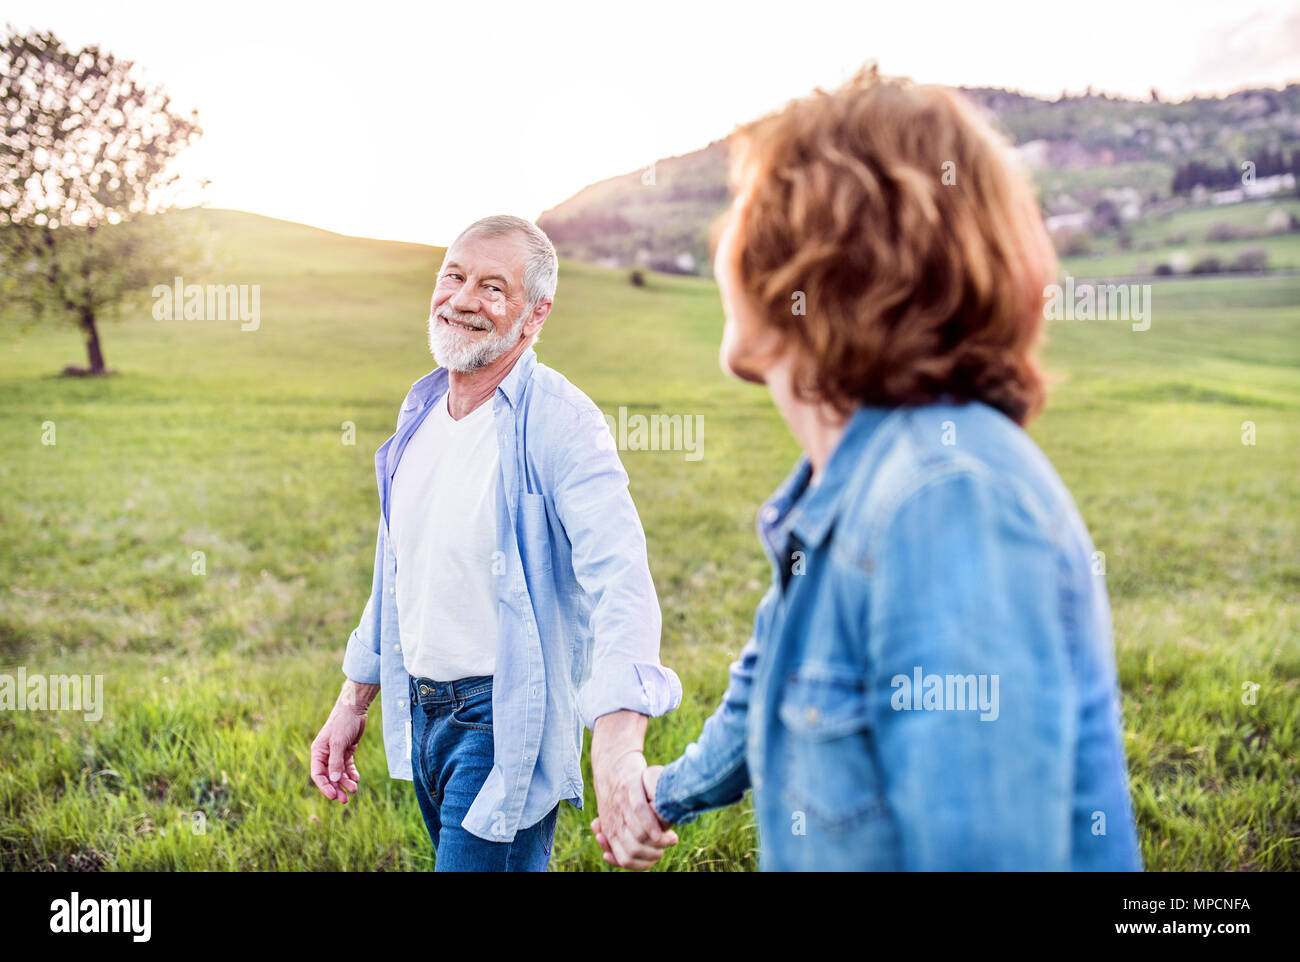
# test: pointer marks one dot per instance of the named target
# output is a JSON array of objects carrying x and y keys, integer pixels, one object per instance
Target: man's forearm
[
  {"x": 358, "y": 697},
  {"x": 614, "y": 735}
]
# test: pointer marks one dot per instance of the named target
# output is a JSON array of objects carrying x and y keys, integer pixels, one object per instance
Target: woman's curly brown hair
[{"x": 914, "y": 238}]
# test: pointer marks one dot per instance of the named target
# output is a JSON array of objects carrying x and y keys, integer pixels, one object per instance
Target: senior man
[{"x": 512, "y": 603}]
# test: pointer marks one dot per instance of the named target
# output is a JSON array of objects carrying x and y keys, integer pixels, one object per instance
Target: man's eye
[{"x": 494, "y": 288}]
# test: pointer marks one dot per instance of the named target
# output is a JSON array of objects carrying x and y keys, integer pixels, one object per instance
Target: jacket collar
[{"x": 810, "y": 514}]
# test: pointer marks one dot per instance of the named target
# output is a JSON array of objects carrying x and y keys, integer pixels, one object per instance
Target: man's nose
[{"x": 465, "y": 302}]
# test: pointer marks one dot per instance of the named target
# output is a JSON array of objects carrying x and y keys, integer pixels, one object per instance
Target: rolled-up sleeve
[
  {"x": 609, "y": 561},
  {"x": 361, "y": 659}
]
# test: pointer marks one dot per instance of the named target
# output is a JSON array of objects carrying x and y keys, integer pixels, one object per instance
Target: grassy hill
[
  {"x": 1190, "y": 234},
  {"x": 230, "y": 443}
]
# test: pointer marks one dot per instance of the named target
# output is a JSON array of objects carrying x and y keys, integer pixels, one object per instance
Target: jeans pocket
[
  {"x": 473, "y": 712},
  {"x": 828, "y": 770}
]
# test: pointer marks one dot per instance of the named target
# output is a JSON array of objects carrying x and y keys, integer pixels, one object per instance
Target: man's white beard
[{"x": 464, "y": 352}]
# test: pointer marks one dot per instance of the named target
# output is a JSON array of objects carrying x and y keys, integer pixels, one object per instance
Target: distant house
[
  {"x": 1261, "y": 187},
  {"x": 1127, "y": 201},
  {"x": 1268, "y": 186},
  {"x": 682, "y": 263},
  {"x": 1074, "y": 220},
  {"x": 1034, "y": 153}
]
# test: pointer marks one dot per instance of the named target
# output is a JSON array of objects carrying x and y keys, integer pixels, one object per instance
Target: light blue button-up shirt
[{"x": 578, "y": 617}]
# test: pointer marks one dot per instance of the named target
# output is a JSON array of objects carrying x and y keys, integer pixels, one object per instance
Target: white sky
[{"x": 408, "y": 121}]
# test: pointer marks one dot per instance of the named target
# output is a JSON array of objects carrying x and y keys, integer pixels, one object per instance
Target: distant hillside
[
  {"x": 1099, "y": 163},
  {"x": 658, "y": 217}
]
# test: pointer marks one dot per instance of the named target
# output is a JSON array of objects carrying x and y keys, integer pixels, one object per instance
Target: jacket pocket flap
[{"x": 821, "y": 701}]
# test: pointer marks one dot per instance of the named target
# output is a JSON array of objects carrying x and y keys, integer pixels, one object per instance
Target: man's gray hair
[{"x": 541, "y": 269}]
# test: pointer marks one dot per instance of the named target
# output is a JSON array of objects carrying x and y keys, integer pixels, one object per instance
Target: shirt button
[
  {"x": 769, "y": 513},
  {"x": 813, "y": 715},
  {"x": 397, "y": 647},
  {"x": 401, "y": 703},
  {"x": 392, "y": 591}
]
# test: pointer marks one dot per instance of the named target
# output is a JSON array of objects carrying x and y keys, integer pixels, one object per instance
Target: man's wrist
[
  {"x": 356, "y": 697},
  {"x": 615, "y": 735},
  {"x": 611, "y": 760}
]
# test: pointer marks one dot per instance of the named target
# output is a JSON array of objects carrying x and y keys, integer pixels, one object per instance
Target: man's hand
[
  {"x": 333, "y": 765},
  {"x": 627, "y": 828}
]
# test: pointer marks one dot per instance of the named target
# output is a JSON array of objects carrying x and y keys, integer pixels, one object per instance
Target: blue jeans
[{"x": 451, "y": 757}]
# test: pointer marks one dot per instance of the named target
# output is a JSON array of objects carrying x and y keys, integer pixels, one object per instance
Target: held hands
[
  {"x": 652, "y": 850},
  {"x": 628, "y": 830}
]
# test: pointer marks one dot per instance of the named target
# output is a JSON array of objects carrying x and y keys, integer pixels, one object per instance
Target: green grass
[{"x": 215, "y": 440}]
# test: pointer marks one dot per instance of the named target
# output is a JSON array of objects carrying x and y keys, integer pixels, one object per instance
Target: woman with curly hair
[{"x": 930, "y": 683}]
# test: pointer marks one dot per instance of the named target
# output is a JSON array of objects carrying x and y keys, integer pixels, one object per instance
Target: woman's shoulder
[{"x": 921, "y": 448}]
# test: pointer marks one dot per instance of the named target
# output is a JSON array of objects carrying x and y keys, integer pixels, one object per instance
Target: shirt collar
[
  {"x": 513, "y": 384},
  {"x": 810, "y": 514},
  {"x": 433, "y": 385}
]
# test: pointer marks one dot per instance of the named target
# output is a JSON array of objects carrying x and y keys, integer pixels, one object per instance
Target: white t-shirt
[{"x": 443, "y": 526}]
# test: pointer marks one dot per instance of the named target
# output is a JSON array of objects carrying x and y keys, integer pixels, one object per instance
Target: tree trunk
[{"x": 93, "y": 349}]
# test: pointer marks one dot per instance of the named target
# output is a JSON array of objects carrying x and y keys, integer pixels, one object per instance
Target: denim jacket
[
  {"x": 578, "y": 617},
  {"x": 930, "y": 683}
]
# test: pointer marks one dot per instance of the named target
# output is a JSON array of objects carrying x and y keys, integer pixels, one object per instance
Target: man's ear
[{"x": 538, "y": 317}]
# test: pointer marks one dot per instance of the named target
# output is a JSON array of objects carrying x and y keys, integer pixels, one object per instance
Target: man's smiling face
[{"x": 479, "y": 306}]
